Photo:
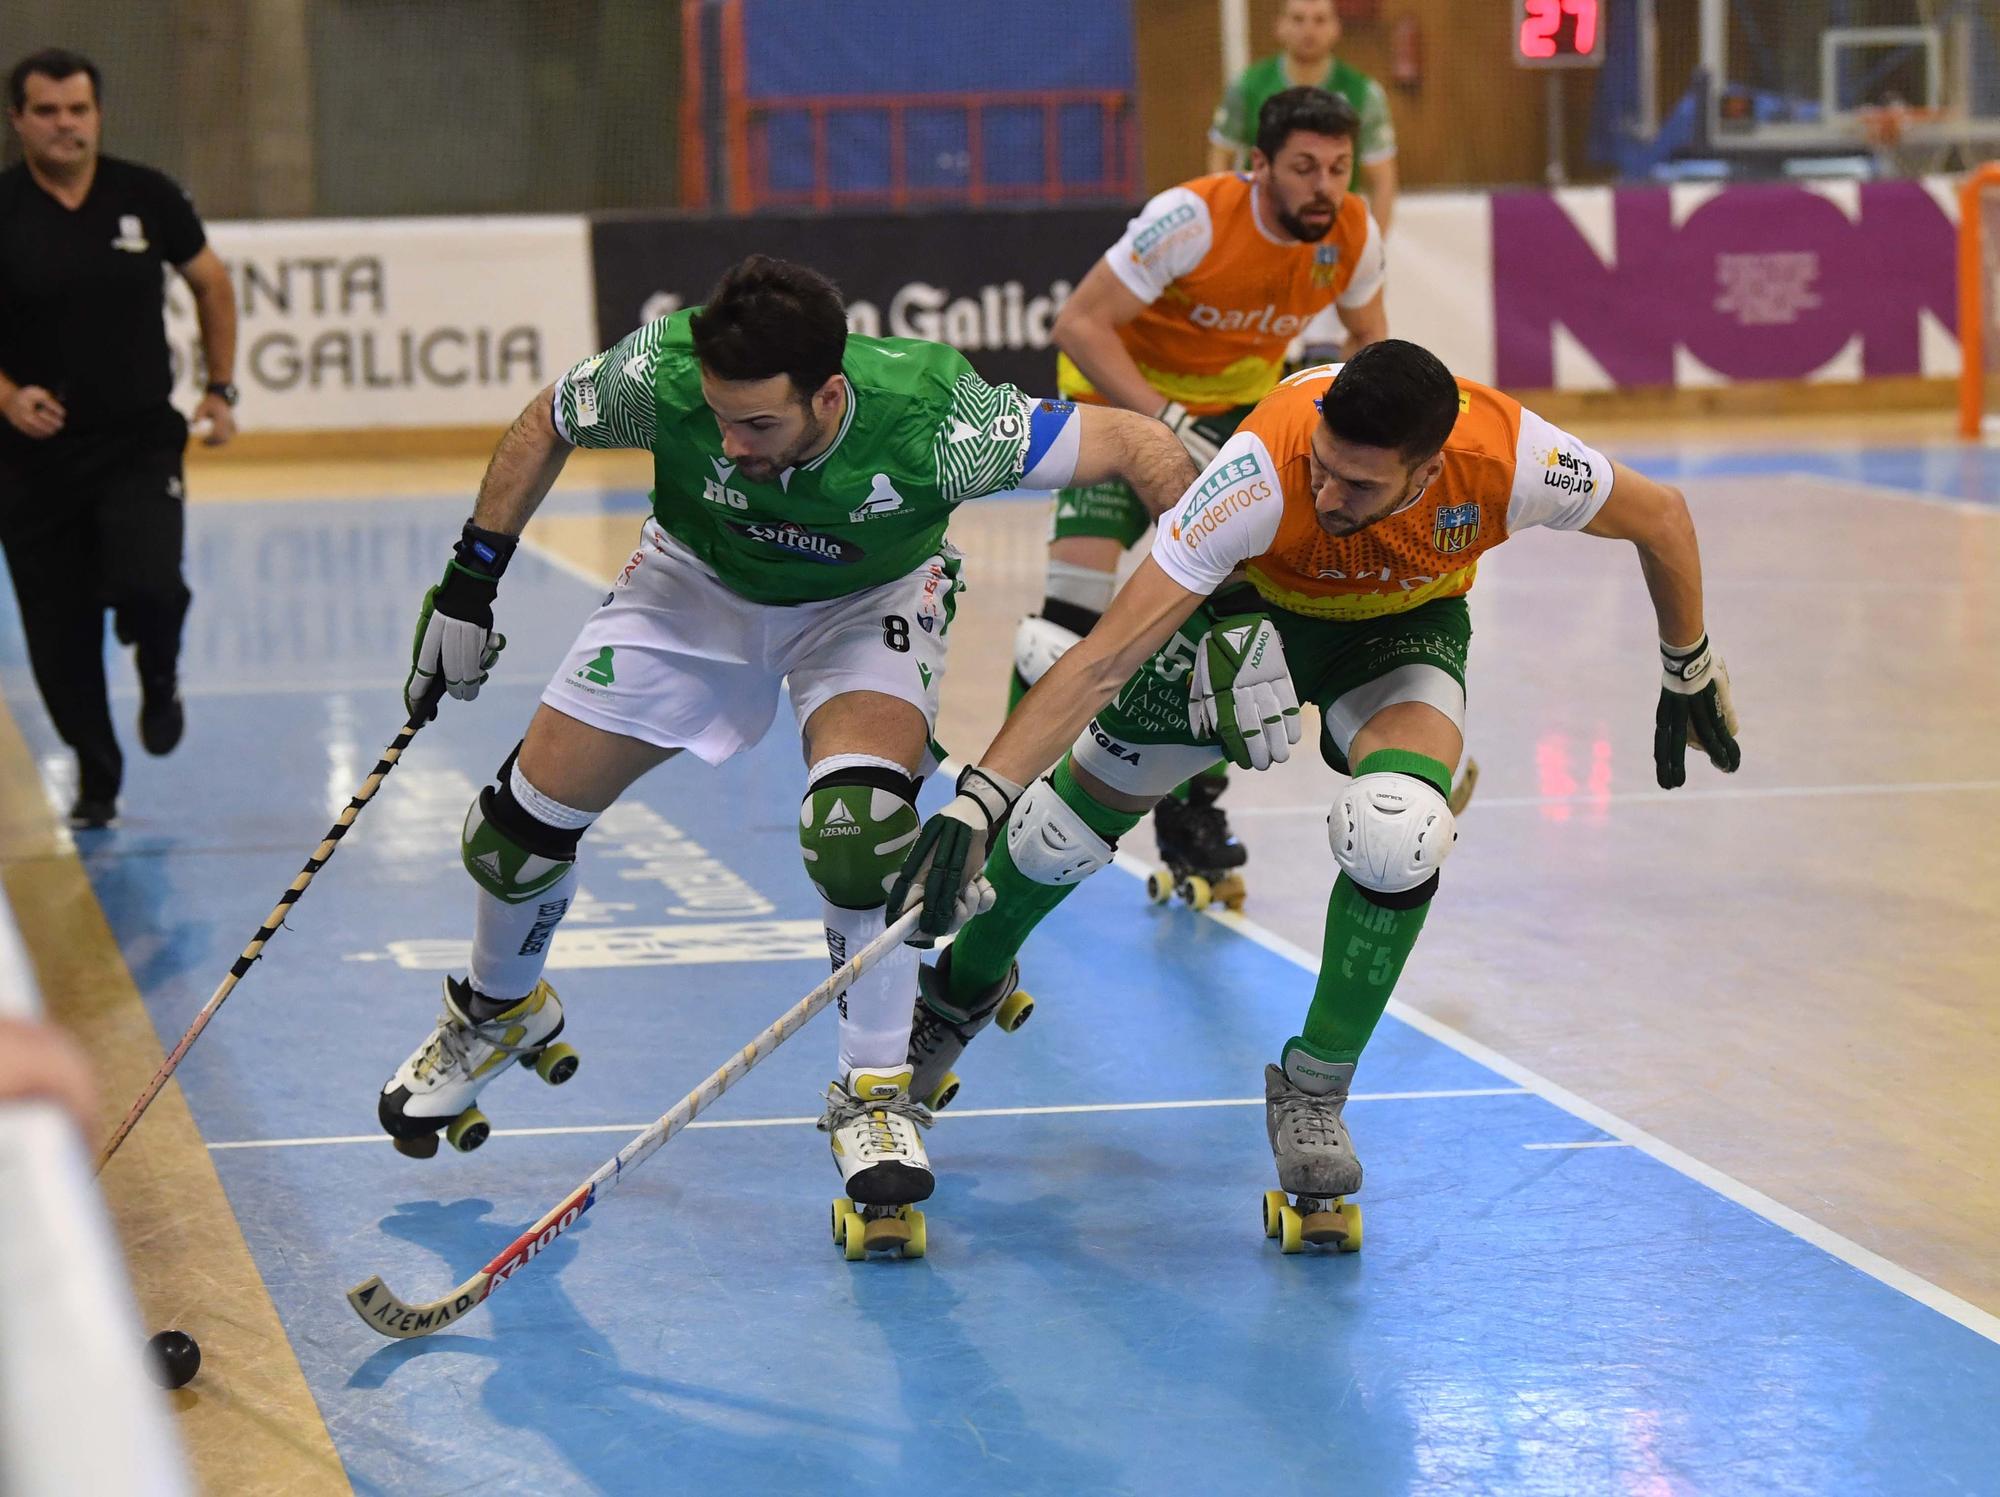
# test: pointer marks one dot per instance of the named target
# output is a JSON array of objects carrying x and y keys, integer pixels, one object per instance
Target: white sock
[
  {"x": 510, "y": 942},
  {"x": 875, "y": 1013}
]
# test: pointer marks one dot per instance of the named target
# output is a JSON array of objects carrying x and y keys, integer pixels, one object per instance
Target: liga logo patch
[{"x": 1456, "y": 528}]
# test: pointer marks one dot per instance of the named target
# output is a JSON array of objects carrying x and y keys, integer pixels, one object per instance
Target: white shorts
[{"x": 676, "y": 659}]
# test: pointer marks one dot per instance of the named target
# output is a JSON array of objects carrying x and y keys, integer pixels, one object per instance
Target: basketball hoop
[{"x": 1901, "y": 139}]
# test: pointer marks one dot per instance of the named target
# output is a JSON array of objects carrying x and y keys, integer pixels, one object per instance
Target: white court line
[
  {"x": 1589, "y": 1143},
  {"x": 1645, "y": 797},
  {"x": 1894, "y": 1275},
  {"x": 1447, "y": 1094},
  {"x": 1887, "y": 491}
]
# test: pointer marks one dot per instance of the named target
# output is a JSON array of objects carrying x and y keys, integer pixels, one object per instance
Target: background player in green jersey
[
  {"x": 803, "y": 479},
  {"x": 1307, "y": 32}
]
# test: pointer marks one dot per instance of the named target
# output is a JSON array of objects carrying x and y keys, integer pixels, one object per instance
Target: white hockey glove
[
  {"x": 943, "y": 872},
  {"x": 455, "y": 635},
  {"x": 1694, "y": 707},
  {"x": 1242, "y": 693},
  {"x": 1200, "y": 443}
]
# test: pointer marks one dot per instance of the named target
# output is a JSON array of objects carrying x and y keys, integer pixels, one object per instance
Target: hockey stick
[
  {"x": 426, "y": 710},
  {"x": 377, "y": 1304}
]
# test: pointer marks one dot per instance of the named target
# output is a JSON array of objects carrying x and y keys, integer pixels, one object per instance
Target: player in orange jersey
[
  {"x": 1326, "y": 554},
  {"x": 1187, "y": 317}
]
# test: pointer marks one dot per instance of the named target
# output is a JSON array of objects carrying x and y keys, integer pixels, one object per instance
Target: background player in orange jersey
[
  {"x": 1325, "y": 553},
  {"x": 1188, "y": 317}
]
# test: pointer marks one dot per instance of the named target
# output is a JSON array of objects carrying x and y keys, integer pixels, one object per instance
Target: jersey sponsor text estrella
[{"x": 789, "y": 536}]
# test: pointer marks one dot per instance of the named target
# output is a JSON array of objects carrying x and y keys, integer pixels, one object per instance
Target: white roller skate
[
  {"x": 941, "y": 1029},
  {"x": 872, "y": 1125},
  {"x": 436, "y": 1088},
  {"x": 1315, "y": 1157}
]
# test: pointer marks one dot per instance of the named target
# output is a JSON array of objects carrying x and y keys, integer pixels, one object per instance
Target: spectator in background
[
  {"x": 92, "y": 508},
  {"x": 1307, "y": 32}
]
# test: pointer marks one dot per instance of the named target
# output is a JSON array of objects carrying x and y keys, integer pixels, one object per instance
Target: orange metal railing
[{"x": 1973, "y": 256}]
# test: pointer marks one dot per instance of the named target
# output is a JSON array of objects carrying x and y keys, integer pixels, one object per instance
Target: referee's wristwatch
[{"x": 226, "y": 390}]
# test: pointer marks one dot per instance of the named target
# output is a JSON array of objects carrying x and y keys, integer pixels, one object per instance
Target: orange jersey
[
  {"x": 1505, "y": 469},
  {"x": 1223, "y": 298}
]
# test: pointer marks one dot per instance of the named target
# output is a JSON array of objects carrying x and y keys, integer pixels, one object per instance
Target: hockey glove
[
  {"x": 1201, "y": 443},
  {"x": 1242, "y": 695},
  {"x": 455, "y": 635},
  {"x": 943, "y": 871},
  {"x": 1694, "y": 706}
]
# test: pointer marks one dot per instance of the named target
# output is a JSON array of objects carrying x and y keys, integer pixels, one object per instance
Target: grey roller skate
[
  {"x": 1204, "y": 860},
  {"x": 942, "y": 1029},
  {"x": 1303, "y": 1100}
]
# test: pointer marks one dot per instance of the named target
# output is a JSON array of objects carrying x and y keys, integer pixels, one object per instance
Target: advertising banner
[
  {"x": 357, "y": 323},
  {"x": 988, "y": 283}
]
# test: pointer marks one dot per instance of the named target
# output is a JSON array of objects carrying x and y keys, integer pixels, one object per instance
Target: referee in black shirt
[{"x": 91, "y": 495}]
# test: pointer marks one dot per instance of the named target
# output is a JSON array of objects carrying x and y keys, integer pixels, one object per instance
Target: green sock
[
  {"x": 987, "y": 946},
  {"x": 1365, "y": 945}
]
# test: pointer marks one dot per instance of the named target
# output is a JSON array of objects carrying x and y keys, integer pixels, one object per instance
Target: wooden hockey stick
[
  {"x": 426, "y": 710},
  {"x": 377, "y": 1304}
]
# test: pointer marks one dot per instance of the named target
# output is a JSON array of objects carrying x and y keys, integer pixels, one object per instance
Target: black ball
[{"x": 173, "y": 1358}]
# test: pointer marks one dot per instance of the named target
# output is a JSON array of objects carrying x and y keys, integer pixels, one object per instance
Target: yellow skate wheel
[
  {"x": 853, "y": 1237},
  {"x": 1274, "y": 1202},
  {"x": 943, "y": 1092},
  {"x": 1015, "y": 1010},
  {"x": 841, "y": 1206},
  {"x": 1291, "y": 1230},
  {"x": 556, "y": 1064},
  {"x": 1350, "y": 1217},
  {"x": 468, "y": 1130},
  {"x": 919, "y": 1240},
  {"x": 1231, "y": 891},
  {"x": 1159, "y": 886},
  {"x": 1197, "y": 891}
]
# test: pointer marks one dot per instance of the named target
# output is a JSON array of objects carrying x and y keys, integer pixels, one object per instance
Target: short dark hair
[
  {"x": 1393, "y": 394},
  {"x": 767, "y": 317},
  {"x": 55, "y": 64},
  {"x": 1304, "y": 108}
]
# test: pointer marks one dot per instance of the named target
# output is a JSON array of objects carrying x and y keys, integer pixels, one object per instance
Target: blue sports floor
[{"x": 1099, "y": 1312}]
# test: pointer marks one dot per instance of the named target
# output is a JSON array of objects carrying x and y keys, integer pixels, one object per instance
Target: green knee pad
[
  {"x": 509, "y": 855},
  {"x": 1109, "y": 510},
  {"x": 855, "y": 825}
]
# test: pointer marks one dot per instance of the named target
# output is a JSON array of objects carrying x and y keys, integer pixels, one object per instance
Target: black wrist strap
[{"x": 486, "y": 552}]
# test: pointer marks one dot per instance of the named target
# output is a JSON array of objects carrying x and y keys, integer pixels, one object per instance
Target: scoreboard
[{"x": 1559, "y": 33}]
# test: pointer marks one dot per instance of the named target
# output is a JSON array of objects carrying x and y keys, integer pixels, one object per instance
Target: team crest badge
[
  {"x": 1457, "y": 527},
  {"x": 1326, "y": 262}
]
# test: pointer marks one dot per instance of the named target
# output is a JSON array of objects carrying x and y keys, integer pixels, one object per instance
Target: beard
[
  {"x": 1296, "y": 226},
  {"x": 767, "y": 469},
  {"x": 1341, "y": 524}
]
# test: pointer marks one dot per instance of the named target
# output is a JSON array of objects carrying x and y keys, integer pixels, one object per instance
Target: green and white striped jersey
[{"x": 922, "y": 432}]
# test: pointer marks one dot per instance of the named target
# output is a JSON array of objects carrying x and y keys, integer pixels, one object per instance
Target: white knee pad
[
  {"x": 1049, "y": 842},
  {"x": 1390, "y": 832},
  {"x": 1039, "y": 644}
]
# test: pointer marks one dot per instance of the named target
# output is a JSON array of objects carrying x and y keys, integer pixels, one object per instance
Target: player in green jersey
[{"x": 803, "y": 479}]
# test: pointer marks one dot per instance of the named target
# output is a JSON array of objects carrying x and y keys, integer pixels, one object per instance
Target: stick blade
[{"x": 387, "y": 1314}]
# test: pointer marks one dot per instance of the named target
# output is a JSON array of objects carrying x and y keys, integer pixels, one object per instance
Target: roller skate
[
  {"x": 942, "y": 1029},
  {"x": 1315, "y": 1157},
  {"x": 872, "y": 1123},
  {"x": 1203, "y": 858},
  {"x": 437, "y": 1088}
]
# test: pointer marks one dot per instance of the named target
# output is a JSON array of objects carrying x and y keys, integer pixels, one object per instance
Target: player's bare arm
[
  {"x": 1087, "y": 330},
  {"x": 1135, "y": 450},
  {"x": 1695, "y": 701},
  {"x": 1379, "y": 183},
  {"x": 1654, "y": 517},
  {"x": 1365, "y": 324},
  {"x": 523, "y": 469}
]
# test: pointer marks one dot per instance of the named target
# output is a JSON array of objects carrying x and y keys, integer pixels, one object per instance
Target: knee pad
[
  {"x": 1390, "y": 832},
  {"x": 1049, "y": 842},
  {"x": 858, "y": 819},
  {"x": 512, "y": 853},
  {"x": 1038, "y": 644}
]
